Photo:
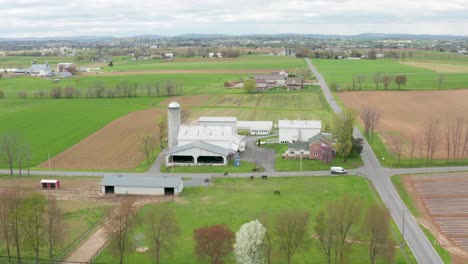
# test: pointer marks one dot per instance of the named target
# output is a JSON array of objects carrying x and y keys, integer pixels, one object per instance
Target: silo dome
[{"x": 174, "y": 105}]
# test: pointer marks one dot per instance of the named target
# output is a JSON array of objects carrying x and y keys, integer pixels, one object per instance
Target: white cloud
[{"x": 39, "y": 18}]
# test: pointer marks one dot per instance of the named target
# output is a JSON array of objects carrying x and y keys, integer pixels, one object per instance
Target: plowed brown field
[
  {"x": 443, "y": 201},
  {"x": 405, "y": 113},
  {"x": 113, "y": 147}
]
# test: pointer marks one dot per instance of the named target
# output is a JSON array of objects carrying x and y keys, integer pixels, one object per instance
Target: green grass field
[
  {"x": 244, "y": 62},
  {"x": 236, "y": 201},
  {"x": 342, "y": 72},
  {"x": 50, "y": 126}
]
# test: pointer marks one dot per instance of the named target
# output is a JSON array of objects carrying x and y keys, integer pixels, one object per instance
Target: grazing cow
[
  {"x": 276, "y": 192},
  {"x": 264, "y": 177},
  {"x": 251, "y": 177},
  {"x": 226, "y": 173}
]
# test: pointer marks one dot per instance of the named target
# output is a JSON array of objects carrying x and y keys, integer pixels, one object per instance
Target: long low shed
[{"x": 142, "y": 185}]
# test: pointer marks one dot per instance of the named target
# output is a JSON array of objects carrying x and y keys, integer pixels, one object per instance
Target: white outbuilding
[
  {"x": 255, "y": 127},
  {"x": 291, "y": 131},
  {"x": 142, "y": 185},
  {"x": 218, "y": 121}
]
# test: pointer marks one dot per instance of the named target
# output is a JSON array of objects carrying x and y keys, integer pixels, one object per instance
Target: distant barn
[{"x": 50, "y": 184}]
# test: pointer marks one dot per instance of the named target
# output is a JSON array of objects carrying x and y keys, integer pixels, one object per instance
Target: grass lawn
[
  {"x": 51, "y": 126},
  {"x": 343, "y": 71},
  {"x": 245, "y": 166},
  {"x": 309, "y": 165},
  {"x": 237, "y": 201},
  {"x": 409, "y": 202}
]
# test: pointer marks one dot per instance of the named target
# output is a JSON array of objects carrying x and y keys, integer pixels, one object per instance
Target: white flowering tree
[{"x": 248, "y": 248}]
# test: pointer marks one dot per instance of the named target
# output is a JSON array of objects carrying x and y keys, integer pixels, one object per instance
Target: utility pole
[
  {"x": 48, "y": 154},
  {"x": 302, "y": 152}
]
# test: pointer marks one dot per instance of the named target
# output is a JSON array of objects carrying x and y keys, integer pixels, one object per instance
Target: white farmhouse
[
  {"x": 291, "y": 131},
  {"x": 142, "y": 185}
]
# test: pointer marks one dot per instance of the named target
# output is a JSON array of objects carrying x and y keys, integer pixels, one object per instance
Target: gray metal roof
[
  {"x": 200, "y": 145},
  {"x": 141, "y": 181}
]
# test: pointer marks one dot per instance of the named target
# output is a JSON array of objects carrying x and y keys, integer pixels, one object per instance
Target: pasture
[
  {"x": 242, "y": 63},
  {"x": 342, "y": 72},
  {"x": 439, "y": 202},
  {"x": 404, "y": 116},
  {"x": 237, "y": 201}
]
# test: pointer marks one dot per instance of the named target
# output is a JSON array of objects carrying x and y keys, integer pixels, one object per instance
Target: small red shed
[{"x": 50, "y": 184}]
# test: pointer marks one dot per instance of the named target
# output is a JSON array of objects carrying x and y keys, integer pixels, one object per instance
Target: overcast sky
[{"x": 47, "y": 18}]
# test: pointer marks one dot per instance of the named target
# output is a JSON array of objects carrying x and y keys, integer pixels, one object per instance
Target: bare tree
[
  {"x": 377, "y": 79},
  {"x": 291, "y": 228},
  {"x": 162, "y": 125},
  {"x": 370, "y": 116},
  {"x": 23, "y": 156},
  {"x": 55, "y": 226},
  {"x": 377, "y": 227},
  {"x": 16, "y": 215},
  {"x": 5, "y": 218},
  {"x": 413, "y": 142},
  {"x": 147, "y": 146},
  {"x": 360, "y": 80},
  {"x": 118, "y": 227},
  {"x": 448, "y": 137},
  {"x": 400, "y": 80},
  {"x": 327, "y": 234},
  {"x": 164, "y": 229},
  {"x": 431, "y": 138},
  {"x": 465, "y": 144},
  {"x": 345, "y": 213},
  {"x": 441, "y": 80},
  {"x": 387, "y": 80},
  {"x": 32, "y": 222},
  {"x": 397, "y": 147},
  {"x": 9, "y": 148},
  {"x": 267, "y": 222},
  {"x": 457, "y": 131}
]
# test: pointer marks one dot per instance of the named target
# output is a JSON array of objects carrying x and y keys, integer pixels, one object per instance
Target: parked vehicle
[{"x": 338, "y": 170}]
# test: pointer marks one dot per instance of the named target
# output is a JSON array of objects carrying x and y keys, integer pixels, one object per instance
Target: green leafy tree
[
  {"x": 343, "y": 131},
  {"x": 250, "y": 85}
]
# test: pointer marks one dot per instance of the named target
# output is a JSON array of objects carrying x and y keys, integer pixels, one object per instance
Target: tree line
[
  {"x": 379, "y": 80},
  {"x": 339, "y": 225},
  {"x": 30, "y": 222},
  {"x": 99, "y": 90},
  {"x": 15, "y": 152}
]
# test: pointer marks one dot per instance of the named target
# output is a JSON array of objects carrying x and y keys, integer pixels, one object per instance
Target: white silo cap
[{"x": 174, "y": 105}]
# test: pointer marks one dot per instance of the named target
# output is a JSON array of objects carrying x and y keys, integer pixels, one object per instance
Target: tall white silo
[{"x": 173, "y": 123}]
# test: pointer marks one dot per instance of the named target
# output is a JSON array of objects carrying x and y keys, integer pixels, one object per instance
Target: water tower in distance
[{"x": 173, "y": 123}]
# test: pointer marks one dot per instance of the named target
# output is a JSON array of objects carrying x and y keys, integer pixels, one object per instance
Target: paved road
[
  {"x": 264, "y": 156},
  {"x": 415, "y": 238}
]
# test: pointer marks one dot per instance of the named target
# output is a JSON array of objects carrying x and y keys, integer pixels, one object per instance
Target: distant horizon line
[{"x": 369, "y": 34}]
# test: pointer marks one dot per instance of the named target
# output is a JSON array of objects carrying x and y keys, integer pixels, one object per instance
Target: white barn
[
  {"x": 142, "y": 185},
  {"x": 197, "y": 153},
  {"x": 255, "y": 127},
  {"x": 218, "y": 121},
  {"x": 221, "y": 136},
  {"x": 291, "y": 131}
]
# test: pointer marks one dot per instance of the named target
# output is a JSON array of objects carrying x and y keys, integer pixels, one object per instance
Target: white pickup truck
[{"x": 338, "y": 170}]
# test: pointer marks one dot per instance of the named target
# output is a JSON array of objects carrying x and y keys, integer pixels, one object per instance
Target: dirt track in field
[
  {"x": 439, "y": 67},
  {"x": 198, "y": 71},
  {"x": 404, "y": 113},
  {"x": 113, "y": 147},
  {"x": 442, "y": 200}
]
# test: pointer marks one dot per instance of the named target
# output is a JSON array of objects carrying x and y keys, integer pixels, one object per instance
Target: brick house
[{"x": 317, "y": 147}]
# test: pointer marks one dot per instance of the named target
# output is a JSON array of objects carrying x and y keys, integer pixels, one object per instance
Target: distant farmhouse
[
  {"x": 42, "y": 70},
  {"x": 277, "y": 79}
]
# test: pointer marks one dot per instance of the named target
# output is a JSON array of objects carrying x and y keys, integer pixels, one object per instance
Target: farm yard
[
  {"x": 404, "y": 114},
  {"x": 440, "y": 203},
  {"x": 236, "y": 201}
]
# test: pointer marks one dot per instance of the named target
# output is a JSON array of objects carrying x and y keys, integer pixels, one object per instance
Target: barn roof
[
  {"x": 141, "y": 181},
  {"x": 300, "y": 124},
  {"x": 217, "y": 119},
  {"x": 201, "y": 145}
]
